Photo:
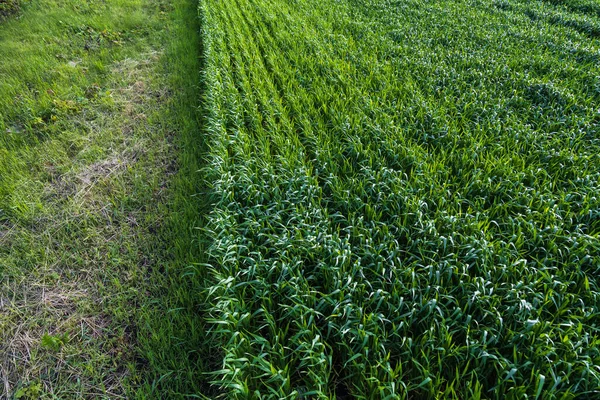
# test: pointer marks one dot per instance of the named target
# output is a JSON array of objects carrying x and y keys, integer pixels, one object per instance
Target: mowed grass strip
[
  {"x": 405, "y": 198},
  {"x": 99, "y": 148}
]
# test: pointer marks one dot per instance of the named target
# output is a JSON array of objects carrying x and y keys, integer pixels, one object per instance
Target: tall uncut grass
[{"x": 406, "y": 198}]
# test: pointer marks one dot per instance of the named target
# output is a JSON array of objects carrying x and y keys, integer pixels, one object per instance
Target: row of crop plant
[{"x": 405, "y": 198}]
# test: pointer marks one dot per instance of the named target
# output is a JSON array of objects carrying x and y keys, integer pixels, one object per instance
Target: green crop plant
[{"x": 405, "y": 198}]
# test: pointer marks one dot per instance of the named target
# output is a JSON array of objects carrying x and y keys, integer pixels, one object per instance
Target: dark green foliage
[
  {"x": 406, "y": 198},
  {"x": 8, "y": 7}
]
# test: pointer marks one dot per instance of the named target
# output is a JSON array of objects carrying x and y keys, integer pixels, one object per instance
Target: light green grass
[
  {"x": 406, "y": 198},
  {"x": 99, "y": 103}
]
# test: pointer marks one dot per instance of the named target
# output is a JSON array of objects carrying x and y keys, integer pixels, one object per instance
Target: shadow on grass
[
  {"x": 8, "y": 7},
  {"x": 172, "y": 332}
]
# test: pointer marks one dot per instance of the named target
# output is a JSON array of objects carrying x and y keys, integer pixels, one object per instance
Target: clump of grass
[{"x": 405, "y": 200}]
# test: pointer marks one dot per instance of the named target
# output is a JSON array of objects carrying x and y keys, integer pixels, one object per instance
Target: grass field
[
  {"x": 300, "y": 199},
  {"x": 406, "y": 198},
  {"x": 99, "y": 147}
]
